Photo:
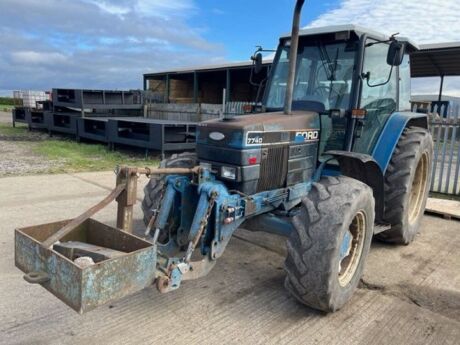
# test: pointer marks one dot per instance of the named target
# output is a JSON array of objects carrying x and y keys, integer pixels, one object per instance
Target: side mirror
[
  {"x": 395, "y": 53},
  {"x": 257, "y": 58}
]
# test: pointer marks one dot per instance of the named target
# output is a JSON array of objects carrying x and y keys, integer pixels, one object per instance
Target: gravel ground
[
  {"x": 5, "y": 117},
  {"x": 18, "y": 159},
  {"x": 16, "y": 155},
  {"x": 410, "y": 295}
]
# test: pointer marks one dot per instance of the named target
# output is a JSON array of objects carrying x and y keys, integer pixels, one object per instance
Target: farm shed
[{"x": 206, "y": 84}]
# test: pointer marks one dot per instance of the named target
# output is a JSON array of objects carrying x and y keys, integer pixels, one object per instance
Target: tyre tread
[{"x": 312, "y": 245}]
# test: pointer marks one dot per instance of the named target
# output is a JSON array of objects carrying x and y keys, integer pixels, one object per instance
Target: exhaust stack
[{"x": 293, "y": 57}]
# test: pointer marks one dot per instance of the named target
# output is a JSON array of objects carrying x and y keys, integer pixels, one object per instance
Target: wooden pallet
[{"x": 447, "y": 208}]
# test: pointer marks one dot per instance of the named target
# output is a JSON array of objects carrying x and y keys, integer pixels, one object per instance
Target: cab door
[{"x": 378, "y": 95}]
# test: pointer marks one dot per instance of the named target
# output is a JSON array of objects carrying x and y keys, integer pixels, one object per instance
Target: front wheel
[{"x": 330, "y": 242}]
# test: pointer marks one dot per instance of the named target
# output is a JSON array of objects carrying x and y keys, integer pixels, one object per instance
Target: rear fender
[
  {"x": 371, "y": 169},
  {"x": 388, "y": 139}
]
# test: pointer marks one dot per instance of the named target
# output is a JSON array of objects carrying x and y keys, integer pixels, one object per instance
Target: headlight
[{"x": 228, "y": 172}]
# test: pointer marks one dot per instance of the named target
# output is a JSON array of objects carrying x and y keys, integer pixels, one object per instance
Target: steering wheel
[{"x": 325, "y": 90}]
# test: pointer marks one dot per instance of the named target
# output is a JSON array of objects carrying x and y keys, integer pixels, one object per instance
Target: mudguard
[
  {"x": 388, "y": 139},
  {"x": 364, "y": 168}
]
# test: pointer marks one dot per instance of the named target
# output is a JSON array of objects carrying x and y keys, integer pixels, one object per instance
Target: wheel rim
[
  {"x": 351, "y": 248},
  {"x": 418, "y": 188}
]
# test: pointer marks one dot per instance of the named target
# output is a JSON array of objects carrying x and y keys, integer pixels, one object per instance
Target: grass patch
[
  {"x": 69, "y": 155},
  {"x": 86, "y": 157},
  {"x": 8, "y": 130},
  {"x": 8, "y": 100},
  {"x": 6, "y": 107}
]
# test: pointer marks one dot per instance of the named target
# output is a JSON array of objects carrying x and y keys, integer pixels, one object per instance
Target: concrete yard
[{"x": 409, "y": 294}]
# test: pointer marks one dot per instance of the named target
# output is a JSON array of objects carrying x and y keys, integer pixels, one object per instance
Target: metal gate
[{"x": 445, "y": 130}]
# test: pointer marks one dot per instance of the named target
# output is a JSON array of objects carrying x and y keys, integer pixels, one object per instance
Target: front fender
[
  {"x": 364, "y": 168},
  {"x": 388, "y": 139}
]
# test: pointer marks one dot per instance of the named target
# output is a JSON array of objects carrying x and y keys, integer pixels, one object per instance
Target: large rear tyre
[
  {"x": 330, "y": 242},
  {"x": 407, "y": 181},
  {"x": 153, "y": 189}
]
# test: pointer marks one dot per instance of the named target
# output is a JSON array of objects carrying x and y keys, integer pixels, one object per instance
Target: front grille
[{"x": 273, "y": 167}]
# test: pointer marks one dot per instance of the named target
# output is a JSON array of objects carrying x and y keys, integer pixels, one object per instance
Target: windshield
[{"x": 323, "y": 76}]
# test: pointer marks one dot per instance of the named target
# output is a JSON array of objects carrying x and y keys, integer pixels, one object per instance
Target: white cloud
[
  {"x": 97, "y": 43},
  {"x": 36, "y": 57},
  {"x": 164, "y": 8},
  {"x": 146, "y": 8},
  {"x": 109, "y": 7},
  {"x": 422, "y": 20}
]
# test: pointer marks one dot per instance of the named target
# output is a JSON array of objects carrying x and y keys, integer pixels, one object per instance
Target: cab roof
[{"x": 358, "y": 30}]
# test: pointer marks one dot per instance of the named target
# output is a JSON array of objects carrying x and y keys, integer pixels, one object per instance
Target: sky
[{"x": 111, "y": 43}]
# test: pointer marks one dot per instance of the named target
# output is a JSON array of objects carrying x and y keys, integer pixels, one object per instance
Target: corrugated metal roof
[
  {"x": 437, "y": 59},
  {"x": 210, "y": 68},
  {"x": 442, "y": 45}
]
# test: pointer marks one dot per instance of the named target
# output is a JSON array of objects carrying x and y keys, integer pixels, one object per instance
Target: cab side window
[
  {"x": 374, "y": 94},
  {"x": 378, "y": 96},
  {"x": 404, "y": 85}
]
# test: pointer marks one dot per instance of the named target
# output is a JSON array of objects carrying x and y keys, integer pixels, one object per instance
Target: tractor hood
[{"x": 258, "y": 130}]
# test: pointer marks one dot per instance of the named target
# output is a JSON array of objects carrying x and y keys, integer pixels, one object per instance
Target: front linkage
[
  {"x": 197, "y": 217},
  {"x": 86, "y": 263}
]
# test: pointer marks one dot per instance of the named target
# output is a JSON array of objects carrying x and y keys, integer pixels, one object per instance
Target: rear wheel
[
  {"x": 154, "y": 188},
  {"x": 407, "y": 181},
  {"x": 330, "y": 242}
]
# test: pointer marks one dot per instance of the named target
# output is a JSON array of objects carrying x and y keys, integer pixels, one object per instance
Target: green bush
[{"x": 7, "y": 101}]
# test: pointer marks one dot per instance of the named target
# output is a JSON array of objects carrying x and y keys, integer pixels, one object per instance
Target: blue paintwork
[
  {"x": 386, "y": 143},
  {"x": 274, "y": 224},
  {"x": 331, "y": 171},
  {"x": 345, "y": 245},
  {"x": 205, "y": 190},
  {"x": 166, "y": 206},
  {"x": 217, "y": 233},
  {"x": 176, "y": 278}
]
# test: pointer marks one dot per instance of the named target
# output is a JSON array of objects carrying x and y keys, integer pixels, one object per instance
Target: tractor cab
[{"x": 353, "y": 77}]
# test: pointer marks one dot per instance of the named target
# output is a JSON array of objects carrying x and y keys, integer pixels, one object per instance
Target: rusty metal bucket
[{"x": 84, "y": 288}]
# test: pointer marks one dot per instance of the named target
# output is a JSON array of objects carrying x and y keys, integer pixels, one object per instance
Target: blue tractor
[{"x": 334, "y": 158}]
